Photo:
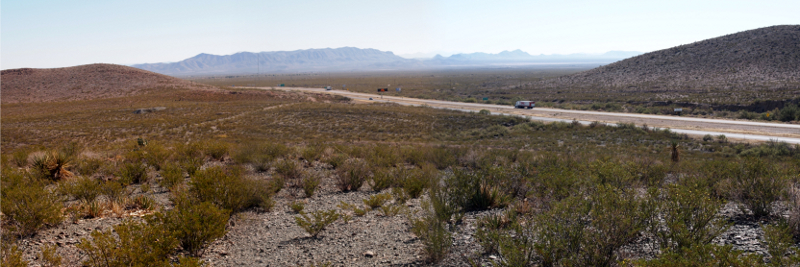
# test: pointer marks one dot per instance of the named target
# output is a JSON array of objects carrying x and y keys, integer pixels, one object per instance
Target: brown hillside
[
  {"x": 742, "y": 67},
  {"x": 84, "y": 82}
]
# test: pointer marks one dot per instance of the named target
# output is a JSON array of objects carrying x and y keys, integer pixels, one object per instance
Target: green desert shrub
[
  {"x": 391, "y": 210},
  {"x": 261, "y": 153},
  {"x": 704, "y": 255},
  {"x": 228, "y": 189},
  {"x": 288, "y": 168},
  {"x": 381, "y": 179},
  {"x": 384, "y": 156},
  {"x": 133, "y": 173},
  {"x": 195, "y": 225},
  {"x": 442, "y": 157},
  {"x": 376, "y": 201},
  {"x": 49, "y": 256},
  {"x": 147, "y": 243},
  {"x": 756, "y": 184},
  {"x": 312, "y": 152},
  {"x": 297, "y": 206},
  {"x": 780, "y": 244},
  {"x": 216, "y": 150},
  {"x": 171, "y": 175},
  {"x": 27, "y": 205},
  {"x": 789, "y": 113},
  {"x": 414, "y": 181},
  {"x": 11, "y": 255},
  {"x": 310, "y": 182},
  {"x": 352, "y": 174},
  {"x": 88, "y": 166},
  {"x": 317, "y": 221},
  {"x": 155, "y": 154},
  {"x": 20, "y": 157},
  {"x": 432, "y": 228},
  {"x": 82, "y": 188},
  {"x": 690, "y": 217},
  {"x": 583, "y": 231},
  {"x": 336, "y": 160}
]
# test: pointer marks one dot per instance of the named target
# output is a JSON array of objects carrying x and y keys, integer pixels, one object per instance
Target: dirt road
[{"x": 732, "y": 129}]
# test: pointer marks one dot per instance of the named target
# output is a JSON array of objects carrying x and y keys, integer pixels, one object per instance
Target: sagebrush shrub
[
  {"x": 297, "y": 206},
  {"x": 216, "y": 150},
  {"x": 336, "y": 160},
  {"x": 352, "y": 174},
  {"x": 82, "y": 188},
  {"x": 414, "y": 181},
  {"x": 49, "y": 256},
  {"x": 756, "y": 184},
  {"x": 381, "y": 179},
  {"x": 376, "y": 201},
  {"x": 155, "y": 154},
  {"x": 133, "y": 173},
  {"x": 137, "y": 244},
  {"x": 704, "y": 255},
  {"x": 288, "y": 168},
  {"x": 690, "y": 217},
  {"x": 20, "y": 157},
  {"x": 89, "y": 166},
  {"x": 228, "y": 189},
  {"x": 310, "y": 182},
  {"x": 11, "y": 255},
  {"x": 317, "y": 222},
  {"x": 312, "y": 152},
  {"x": 779, "y": 242},
  {"x": 171, "y": 175},
  {"x": 432, "y": 228},
  {"x": 195, "y": 225},
  {"x": 27, "y": 204}
]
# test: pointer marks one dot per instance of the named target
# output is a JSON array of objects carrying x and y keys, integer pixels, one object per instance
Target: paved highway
[{"x": 732, "y": 129}]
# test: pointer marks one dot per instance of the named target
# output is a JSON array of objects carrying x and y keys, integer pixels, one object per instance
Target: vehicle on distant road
[
  {"x": 370, "y": 98},
  {"x": 525, "y": 104}
]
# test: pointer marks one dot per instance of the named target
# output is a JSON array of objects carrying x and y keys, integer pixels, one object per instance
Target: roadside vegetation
[{"x": 564, "y": 194}]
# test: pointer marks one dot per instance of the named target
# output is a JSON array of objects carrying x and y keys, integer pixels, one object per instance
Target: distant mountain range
[{"x": 356, "y": 59}]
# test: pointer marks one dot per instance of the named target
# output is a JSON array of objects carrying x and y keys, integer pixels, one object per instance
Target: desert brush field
[{"x": 223, "y": 177}]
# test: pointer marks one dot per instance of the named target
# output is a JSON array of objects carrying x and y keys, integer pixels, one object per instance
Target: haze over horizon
[{"x": 47, "y": 34}]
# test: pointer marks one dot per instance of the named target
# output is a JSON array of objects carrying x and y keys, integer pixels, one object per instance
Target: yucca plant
[
  {"x": 53, "y": 166},
  {"x": 676, "y": 156}
]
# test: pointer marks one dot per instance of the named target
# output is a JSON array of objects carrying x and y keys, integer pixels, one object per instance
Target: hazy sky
[{"x": 44, "y": 34}]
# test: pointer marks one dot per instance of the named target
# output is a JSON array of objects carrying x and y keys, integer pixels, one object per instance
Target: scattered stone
[
  {"x": 369, "y": 254},
  {"x": 148, "y": 110}
]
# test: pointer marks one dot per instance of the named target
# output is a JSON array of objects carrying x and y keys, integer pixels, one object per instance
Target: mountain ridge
[{"x": 347, "y": 59}]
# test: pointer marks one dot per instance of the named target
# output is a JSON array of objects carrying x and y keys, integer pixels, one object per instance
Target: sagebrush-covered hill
[
  {"x": 84, "y": 82},
  {"x": 762, "y": 63}
]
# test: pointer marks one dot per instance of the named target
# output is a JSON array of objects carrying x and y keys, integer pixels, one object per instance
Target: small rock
[{"x": 369, "y": 254}]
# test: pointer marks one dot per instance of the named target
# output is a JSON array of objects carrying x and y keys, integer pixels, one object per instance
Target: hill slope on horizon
[
  {"x": 759, "y": 64},
  {"x": 84, "y": 82}
]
